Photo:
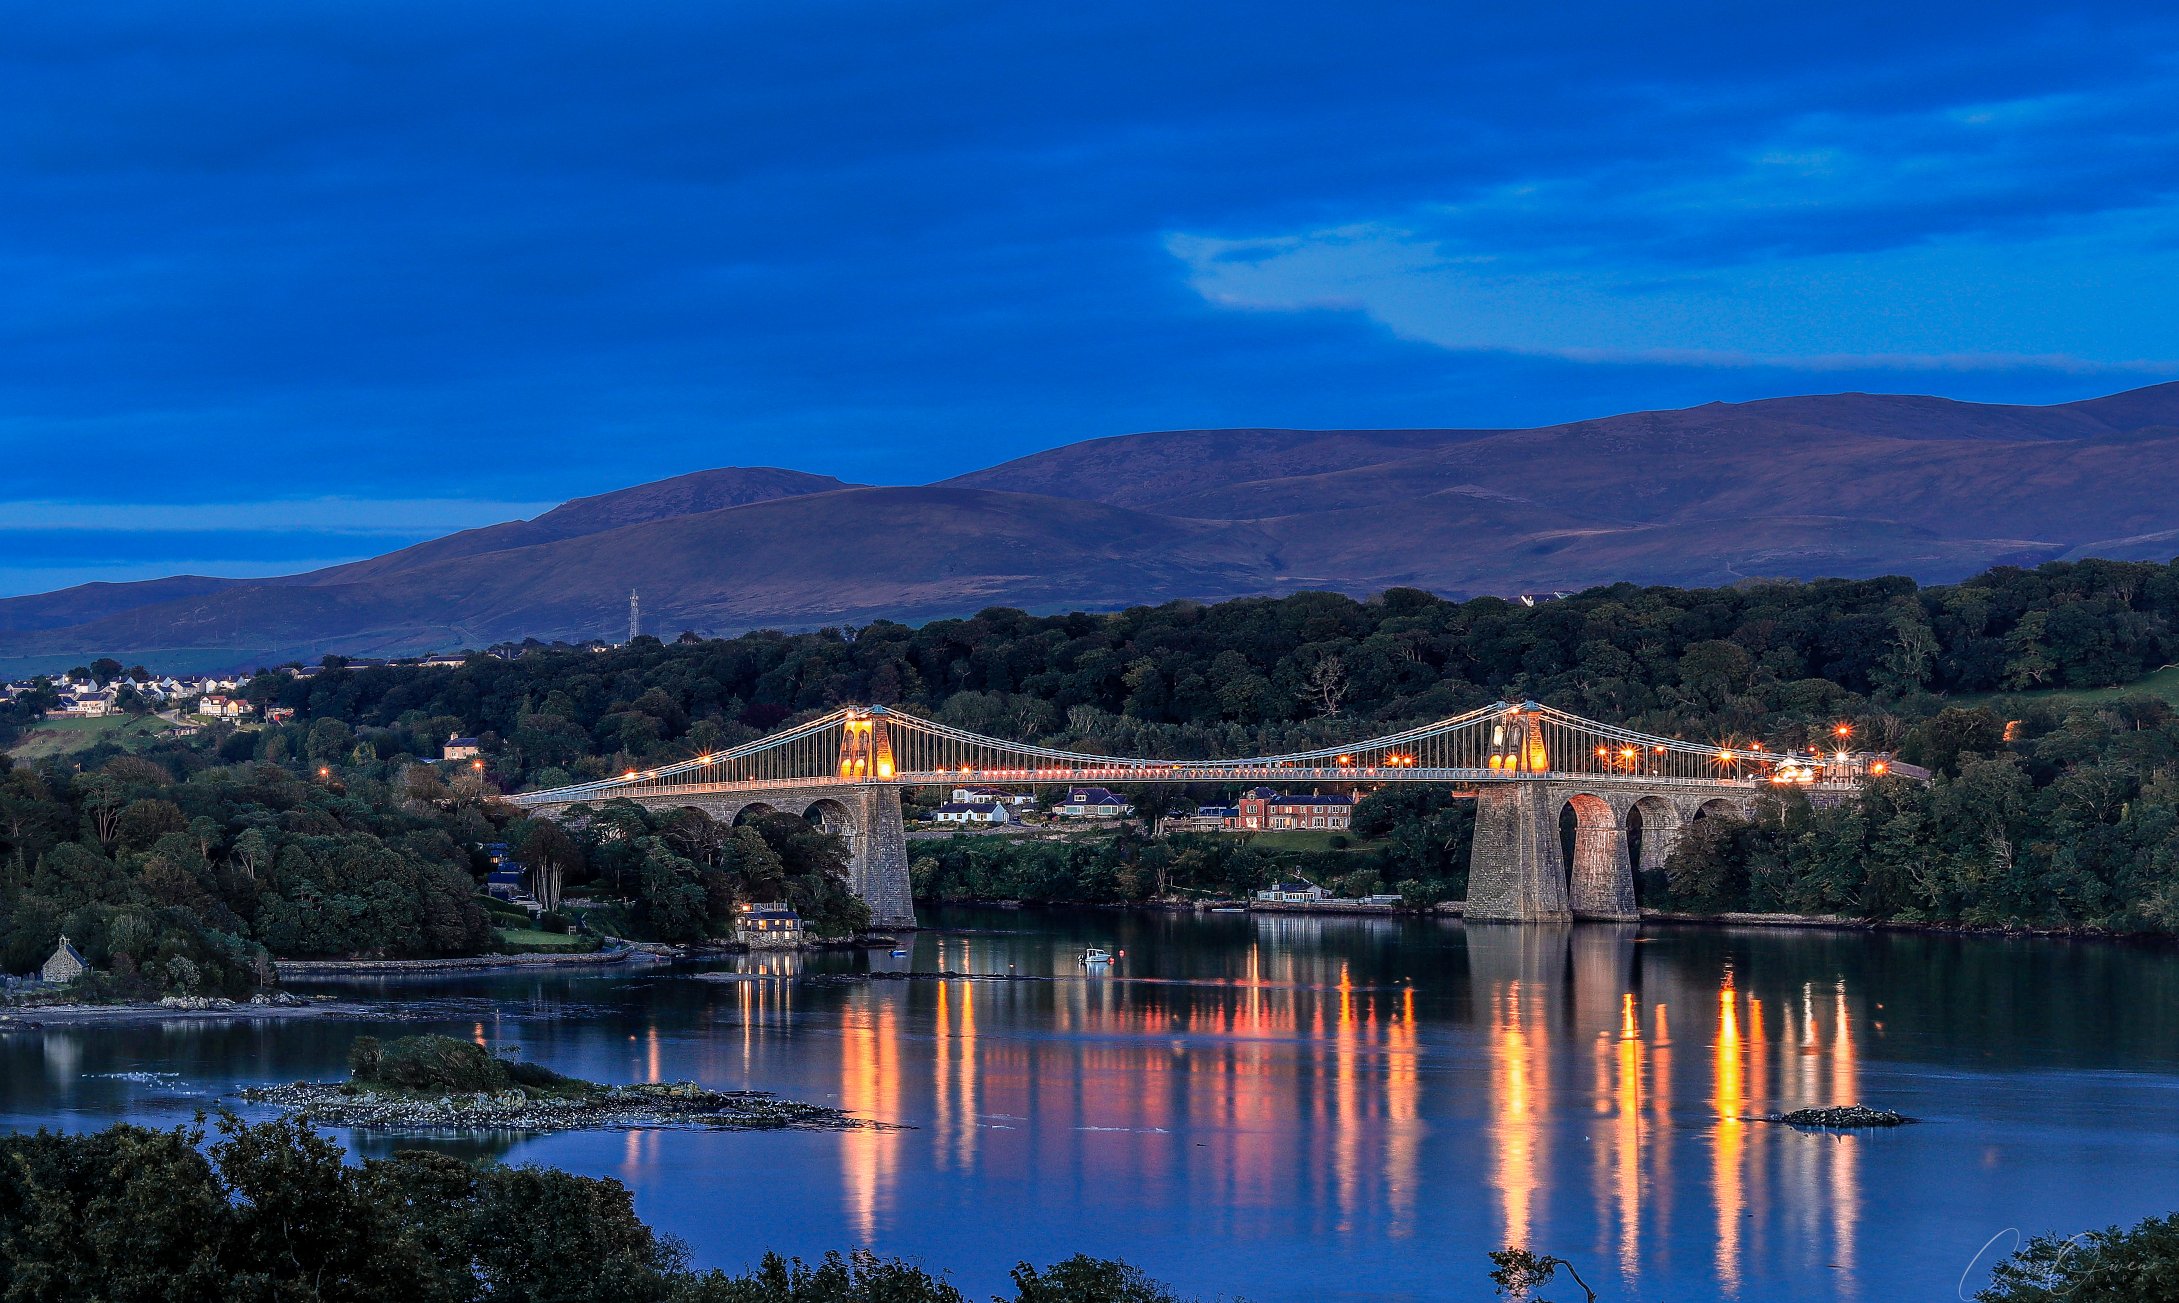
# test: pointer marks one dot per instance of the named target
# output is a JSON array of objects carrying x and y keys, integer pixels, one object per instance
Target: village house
[
  {"x": 1091, "y": 803},
  {"x": 84, "y": 700},
  {"x": 980, "y": 812},
  {"x": 1293, "y": 891},
  {"x": 508, "y": 881},
  {"x": 219, "y": 706},
  {"x": 1263, "y": 808},
  {"x": 1012, "y": 800},
  {"x": 459, "y": 748},
  {"x": 279, "y": 714},
  {"x": 768, "y": 925},
  {"x": 1207, "y": 818}
]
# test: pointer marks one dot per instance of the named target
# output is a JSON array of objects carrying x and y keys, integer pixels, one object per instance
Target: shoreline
[
  {"x": 454, "y": 964},
  {"x": 43, "y": 1017},
  {"x": 1454, "y": 909}
]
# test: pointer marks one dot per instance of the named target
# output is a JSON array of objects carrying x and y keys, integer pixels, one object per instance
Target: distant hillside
[{"x": 1847, "y": 484}]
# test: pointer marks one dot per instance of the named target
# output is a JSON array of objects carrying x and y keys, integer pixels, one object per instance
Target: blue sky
[{"x": 284, "y": 284}]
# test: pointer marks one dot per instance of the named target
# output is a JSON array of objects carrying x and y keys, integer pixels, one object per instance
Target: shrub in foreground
[{"x": 272, "y": 1212}]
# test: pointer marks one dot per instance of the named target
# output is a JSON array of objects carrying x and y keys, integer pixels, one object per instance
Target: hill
[{"x": 1845, "y": 484}]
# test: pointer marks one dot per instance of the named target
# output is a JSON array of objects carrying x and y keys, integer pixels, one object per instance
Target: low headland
[{"x": 439, "y": 1083}]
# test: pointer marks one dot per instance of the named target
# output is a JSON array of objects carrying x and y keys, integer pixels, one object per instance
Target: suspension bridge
[{"x": 1524, "y": 763}]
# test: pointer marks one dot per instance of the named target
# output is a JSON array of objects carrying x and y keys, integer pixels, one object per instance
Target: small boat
[
  {"x": 1093, "y": 957},
  {"x": 900, "y": 954}
]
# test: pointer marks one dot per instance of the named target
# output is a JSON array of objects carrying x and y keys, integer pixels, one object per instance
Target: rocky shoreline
[
  {"x": 679, "y": 1104},
  {"x": 465, "y": 963}
]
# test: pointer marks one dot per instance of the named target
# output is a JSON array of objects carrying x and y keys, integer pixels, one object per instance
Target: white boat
[{"x": 1093, "y": 957}]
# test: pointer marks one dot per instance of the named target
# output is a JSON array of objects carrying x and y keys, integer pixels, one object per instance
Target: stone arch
[
  {"x": 753, "y": 811},
  {"x": 1653, "y": 829},
  {"x": 831, "y": 815},
  {"x": 1599, "y": 876},
  {"x": 1719, "y": 805}
]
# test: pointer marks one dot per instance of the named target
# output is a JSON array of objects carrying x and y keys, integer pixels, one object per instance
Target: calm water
[{"x": 1296, "y": 1107}]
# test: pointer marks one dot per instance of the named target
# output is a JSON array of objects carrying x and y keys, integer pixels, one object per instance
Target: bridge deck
[
  {"x": 1507, "y": 743},
  {"x": 1463, "y": 778}
]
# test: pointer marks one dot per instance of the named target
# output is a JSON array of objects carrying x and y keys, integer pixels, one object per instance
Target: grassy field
[
  {"x": 60, "y": 737},
  {"x": 2163, "y": 684}
]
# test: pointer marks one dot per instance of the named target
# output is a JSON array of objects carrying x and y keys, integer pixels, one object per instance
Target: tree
[
  {"x": 545, "y": 849},
  {"x": 2107, "y": 1266},
  {"x": 1324, "y": 685},
  {"x": 1518, "y": 1273}
]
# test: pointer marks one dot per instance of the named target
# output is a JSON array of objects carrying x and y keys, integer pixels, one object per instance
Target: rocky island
[
  {"x": 1845, "y": 1115},
  {"x": 439, "y": 1083}
]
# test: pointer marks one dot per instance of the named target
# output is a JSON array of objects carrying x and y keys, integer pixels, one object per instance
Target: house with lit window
[
  {"x": 1262, "y": 809},
  {"x": 459, "y": 748},
  {"x": 1091, "y": 803},
  {"x": 768, "y": 925},
  {"x": 1207, "y": 818},
  {"x": 219, "y": 706},
  {"x": 1293, "y": 891}
]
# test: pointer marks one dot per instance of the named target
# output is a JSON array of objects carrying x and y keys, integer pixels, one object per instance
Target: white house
[
  {"x": 1012, "y": 800},
  {"x": 82, "y": 701},
  {"x": 1091, "y": 803},
  {"x": 1293, "y": 891},
  {"x": 982, "y": 812}
]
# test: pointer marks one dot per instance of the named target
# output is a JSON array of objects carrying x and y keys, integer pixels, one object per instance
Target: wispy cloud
[
  {"x": 1973, "y": 237},
  {"x": 328, "y": 515}
]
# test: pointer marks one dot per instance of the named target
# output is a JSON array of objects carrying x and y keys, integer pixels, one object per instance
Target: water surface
[{"x": 1295, "y": 1107}]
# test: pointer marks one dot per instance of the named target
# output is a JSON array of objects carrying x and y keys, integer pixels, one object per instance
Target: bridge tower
[
  {"x": 1517, "y": 871},
  {"x": 877, "y": 838}
]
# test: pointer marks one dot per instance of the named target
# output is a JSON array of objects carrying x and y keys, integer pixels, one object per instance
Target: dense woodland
[{"x": 180, "y": 866}]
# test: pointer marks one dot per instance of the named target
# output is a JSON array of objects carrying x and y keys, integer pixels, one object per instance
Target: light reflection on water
[{"x": 1298, "y": 1107}]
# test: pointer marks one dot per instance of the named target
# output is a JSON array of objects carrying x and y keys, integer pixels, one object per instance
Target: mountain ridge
[{"x": 1846, "y": 484}]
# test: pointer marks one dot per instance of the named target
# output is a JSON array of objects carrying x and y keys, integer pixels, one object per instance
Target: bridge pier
[
  {"x": 1513, "y": 871},
  {"x": 878, "y": 856},
  {"x": 1602, "y": 880},
  {"x": 1517, "y": 872}
]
